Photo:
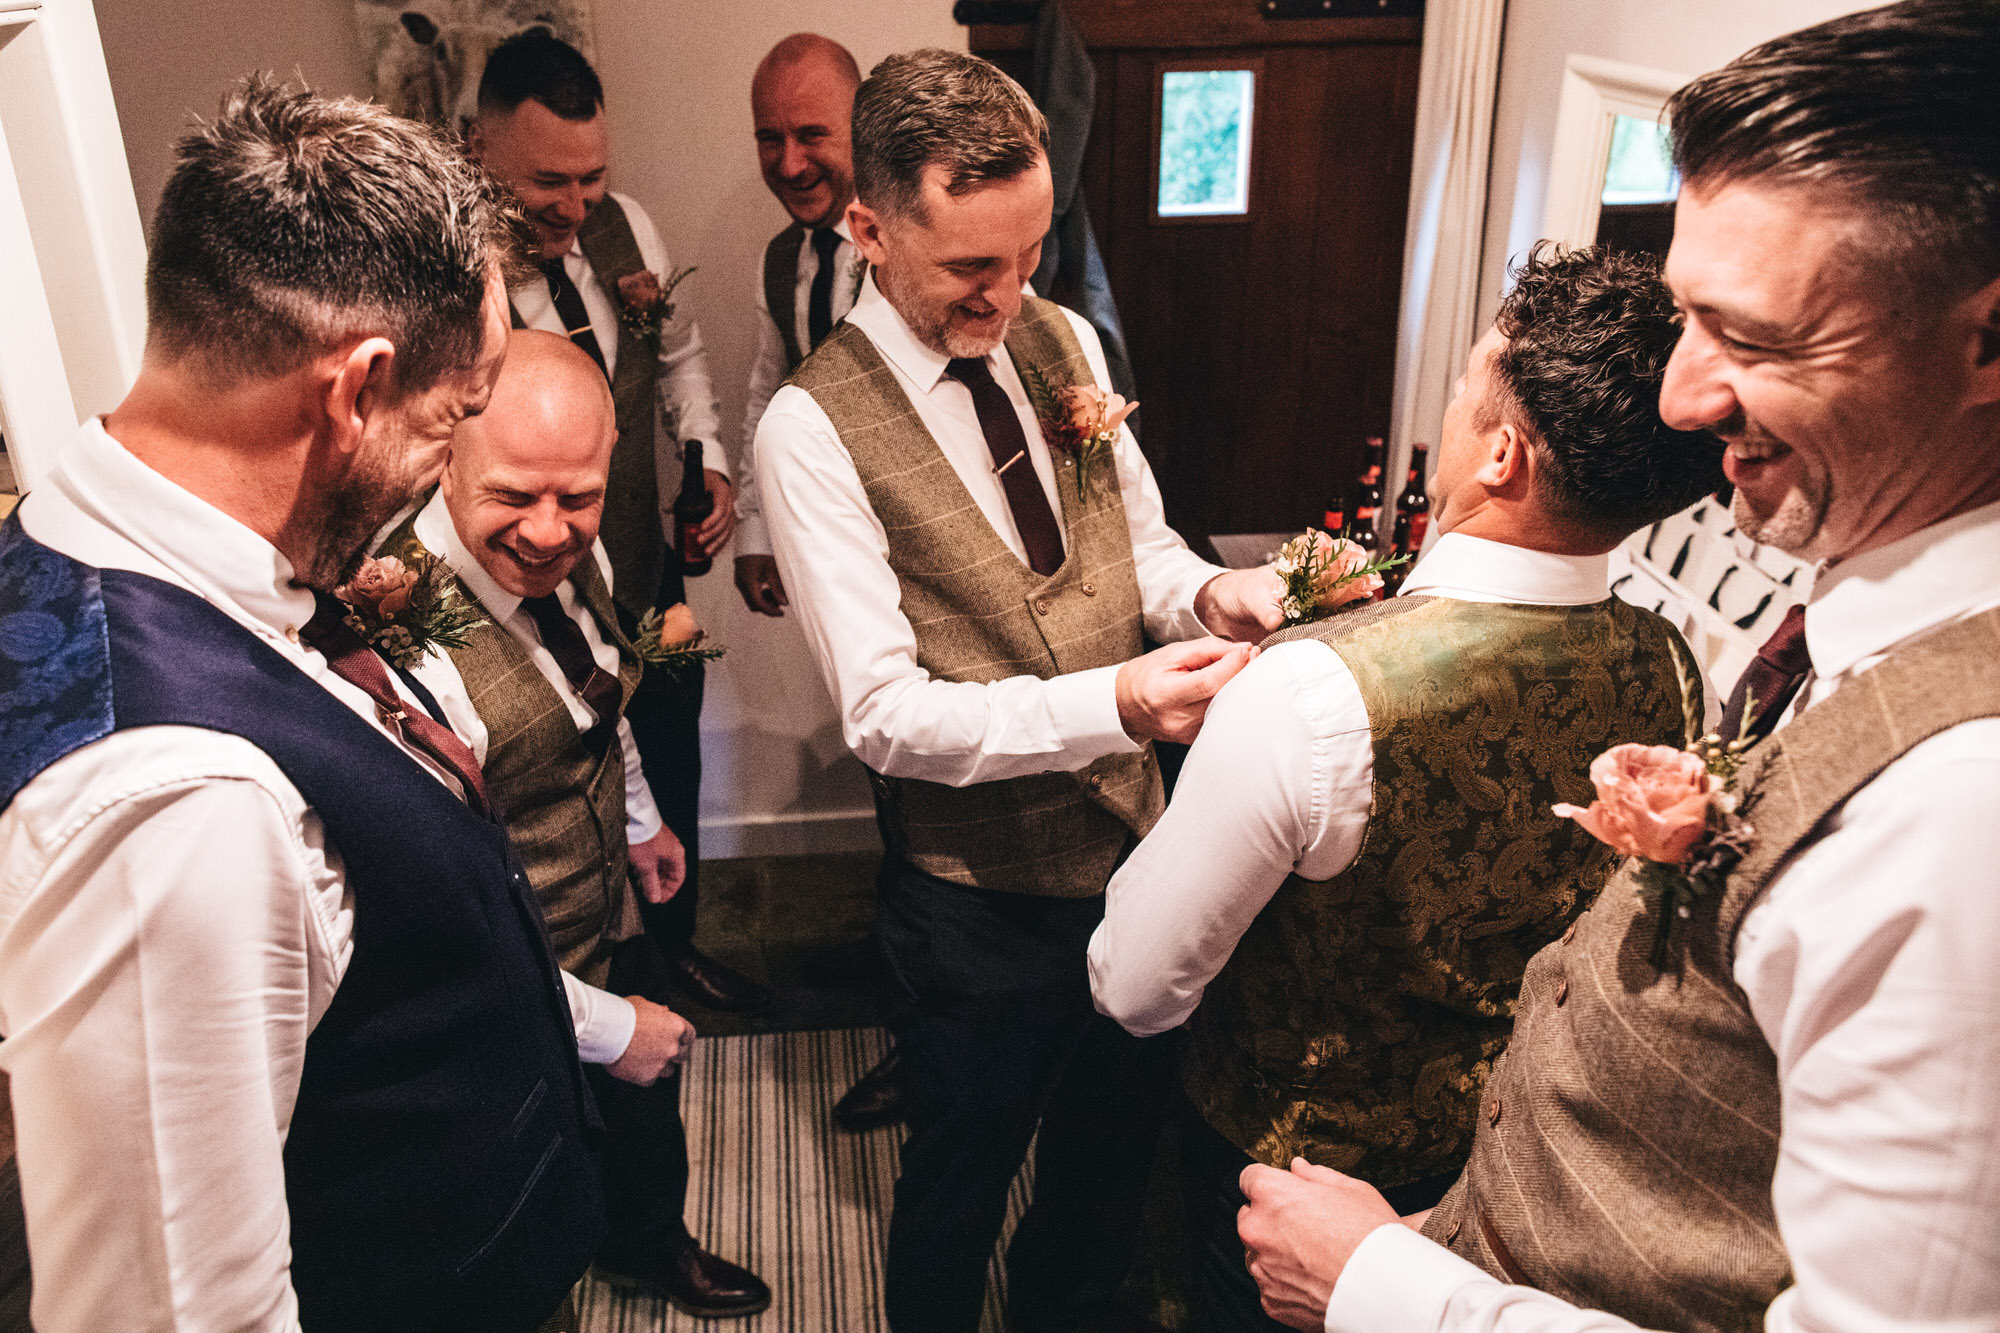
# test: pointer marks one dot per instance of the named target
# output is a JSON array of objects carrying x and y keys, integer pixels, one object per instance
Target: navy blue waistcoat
[{"x": 441, "y": 1167}]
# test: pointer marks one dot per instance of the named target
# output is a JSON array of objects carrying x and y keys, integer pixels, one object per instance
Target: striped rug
[{"x": 777, "y": 1187}]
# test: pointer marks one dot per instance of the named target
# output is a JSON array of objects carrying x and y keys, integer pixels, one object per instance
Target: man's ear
[
  {"x": 865, "y": 225},
  {"x": 1505, "y": 460},
  {"x": 357, "y": 387}
]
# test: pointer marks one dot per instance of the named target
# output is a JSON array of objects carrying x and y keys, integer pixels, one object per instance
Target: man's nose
[
  {"x": 794, "y": 163},
  {"x": 1695, "y": 394},
  {"x": 544, "y": 527},
  {"x": 1003, "y": 294}
]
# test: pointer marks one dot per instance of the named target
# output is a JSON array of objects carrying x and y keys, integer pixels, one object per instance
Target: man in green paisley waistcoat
[
  {"x": 1783, "y": 1115},
  {"x": 1361, "y": 855},
  {"x": 978, "y": 602},
  {"x": 540, "y": 689}
]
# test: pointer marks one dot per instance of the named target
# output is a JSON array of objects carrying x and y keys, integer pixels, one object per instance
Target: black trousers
[
  {"x": 1225, "y": 1294},
  {"x": 994, "y": 1023},
  {"x": 665, "y": 713},
  {"x": 645, "y": 1144}
]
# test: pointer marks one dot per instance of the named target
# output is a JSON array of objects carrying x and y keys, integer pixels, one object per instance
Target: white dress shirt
[
  {"x": 1280, "y": 781},
  {"x": 1872, "y": 966},
  {"x": 835, "y": 558},
  {"x": 688, "y": 406},
  {"x": 768, "y": 369},
  {"x": 172, "y": 925}
]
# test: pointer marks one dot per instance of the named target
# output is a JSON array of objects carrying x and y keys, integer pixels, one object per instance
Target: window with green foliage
[
  {"x": 1641, "y": 167},
  {"x": 1205, "y": 117}
]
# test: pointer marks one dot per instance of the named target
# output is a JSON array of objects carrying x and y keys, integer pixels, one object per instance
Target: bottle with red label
[
  {"x": 1413, "y": 519},
  {"x": 1366, "y": 509}
]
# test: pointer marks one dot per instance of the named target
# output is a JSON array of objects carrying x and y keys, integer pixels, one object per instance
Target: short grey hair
[
  {"x": 946, "y": 109},
  {"x": 293, "y": 223}
]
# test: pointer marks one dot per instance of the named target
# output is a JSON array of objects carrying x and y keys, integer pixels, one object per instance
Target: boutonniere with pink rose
[
  {"x": 1080, "y": 423},
  {"x": 1676, "y": 811},
  {"x": 1321, "y": 575},
  {"x": 645, "y": 303},
  {"x": 407, "y": 611},
  {"x": 670, "y": 640}
]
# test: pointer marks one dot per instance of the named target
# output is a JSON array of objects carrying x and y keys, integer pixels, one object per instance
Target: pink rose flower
[
  {"x": 380, "y": 587},
  {"x": 677, "y": 626},
  {"x": 1347, "y": 557},
  {"x": 1652, "y": 801},
  {"x": 640, "y": 291},
  {"x": 1094, "y": 412}
]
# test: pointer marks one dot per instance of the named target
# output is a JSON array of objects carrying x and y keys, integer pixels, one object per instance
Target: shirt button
[
  {"x": 292, "y": 633},
  {"x": 1562, "y": 990},
  {"x": 1452, "y": 1234},
  {"x": 1090, "y": 590},
  {"x": 1041, "y": 606},
  {"x": 1569, "y": 934},
  {"x": 1492, "y": 1110}
]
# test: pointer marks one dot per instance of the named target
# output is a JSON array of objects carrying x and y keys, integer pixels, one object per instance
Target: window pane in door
[
  {"x": 1641, "y": 167},
  {"x": 1205, "y": 117}
]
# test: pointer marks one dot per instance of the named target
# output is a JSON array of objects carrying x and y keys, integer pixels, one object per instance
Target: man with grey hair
[
  {"x": 287, "y": 1043},
  {"x": 977, "y": 599},
  {"x": 1782, "y": 1115}
]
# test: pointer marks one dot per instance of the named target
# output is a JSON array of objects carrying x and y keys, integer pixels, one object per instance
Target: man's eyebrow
[{"x": 1741, "y": 321}]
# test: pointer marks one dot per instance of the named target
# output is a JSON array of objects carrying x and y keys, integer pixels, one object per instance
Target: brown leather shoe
[
  {"x": 717, "y": 985},
  {"x": 697, "y": 1283},
  {"x": 876, "y": 1098}
]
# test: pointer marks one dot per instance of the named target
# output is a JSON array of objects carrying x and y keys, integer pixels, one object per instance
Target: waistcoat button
[
  {"x": 1097, "y": 779},
  {"x": 1562, "y": 990},
  {"x": 1493, "y": 1110},
  {"x": 1569, "y": 934},
  {"x": 1090, "y": 590},
  {"x": 1041, "y": 606}
]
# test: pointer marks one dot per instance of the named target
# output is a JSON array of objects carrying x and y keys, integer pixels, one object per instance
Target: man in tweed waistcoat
[
  {"x": 1361, "y": 854},
  {"x": 978, "y": 605},
  {"x": 1787, "y": 1120}
]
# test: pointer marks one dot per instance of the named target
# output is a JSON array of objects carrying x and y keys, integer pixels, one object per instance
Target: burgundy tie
[
  {"x": 565, "y": 642},
  {"x": 1001, "y": 425},
  {"x": 1770, "y": 681},
  {"x": 356, "y": 663}
]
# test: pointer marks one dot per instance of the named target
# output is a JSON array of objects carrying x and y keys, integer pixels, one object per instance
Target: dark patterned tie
[
  {"x": 1770, "y": 681},
  {"x": 1009, "y": 446},
  {"x": 819, "y": 304},
  {"x": 569, "y": 309},
  {"x": 356, "y": 663},
  {"x": 565, "y": 642}
]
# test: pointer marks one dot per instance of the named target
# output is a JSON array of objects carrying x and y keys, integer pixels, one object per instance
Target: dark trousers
[
  {"x": 1225, "y": 1294},
  {"x": 665, "y": 713},
  {"x": 645, "y": 1145},
  {"x": 995, "y": 1027}
]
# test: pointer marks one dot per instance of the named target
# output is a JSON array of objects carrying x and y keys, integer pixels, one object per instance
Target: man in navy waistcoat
[{"x": 288, "y": 1044}]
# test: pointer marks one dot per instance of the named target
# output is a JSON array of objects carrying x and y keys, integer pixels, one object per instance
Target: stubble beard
[
  {"x": 354, "y": 514},
  {"x": 931, "y": 325},
  {"x": 1793, "y": 526}
]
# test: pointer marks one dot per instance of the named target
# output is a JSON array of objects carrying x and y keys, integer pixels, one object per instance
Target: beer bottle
[
  {"x": 1413, "y": 519},
  {"x": 1366, "y": 510},
  {"x": 691, "y": 509}
]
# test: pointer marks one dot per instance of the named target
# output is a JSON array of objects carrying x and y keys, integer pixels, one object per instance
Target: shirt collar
[
  {"x": 190, "y": 540},
  {"x": 885, "y": 328},
  {"x": 1474, "y": 569},
  {"x": 439, "y": 535},
  {"x": 1867, "y": 605}
]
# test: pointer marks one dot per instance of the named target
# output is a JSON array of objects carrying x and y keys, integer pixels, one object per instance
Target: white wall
[
  {"x": 677, "y": 81},
  {"x": 1686, "y": 37}
]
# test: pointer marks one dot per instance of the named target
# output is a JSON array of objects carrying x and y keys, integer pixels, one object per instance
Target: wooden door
[{"x": 1262, "y": 342}]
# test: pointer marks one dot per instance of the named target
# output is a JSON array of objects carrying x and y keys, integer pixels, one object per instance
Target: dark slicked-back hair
[
  {"x": 293, "y": 223},
  {"x": 1588, "y": 336},
  {"x": 946, "y": 109},
  {"x": 539, "y": 65},
  {"x": 1895, "y": 110}
]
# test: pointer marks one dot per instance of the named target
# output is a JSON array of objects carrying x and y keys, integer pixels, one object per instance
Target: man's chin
[
  {"x": 963, "y": 341},
  {"x": 1793, "y": 525}
]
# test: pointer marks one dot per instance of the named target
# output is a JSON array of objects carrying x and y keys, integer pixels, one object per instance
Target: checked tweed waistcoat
[
  {"x": 1358, "y": 1017},
  {"x": 1627, "y": 1141},
  {"x": 980, "y": 614},
  {"x": 632, "y": 529},
  {"x": 560, "y": 791}
]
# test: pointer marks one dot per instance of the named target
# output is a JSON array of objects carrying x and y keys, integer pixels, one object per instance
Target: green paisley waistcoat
[
  {"x": 1358, "y": 1017},
  {"x": 980, "y": 614}
]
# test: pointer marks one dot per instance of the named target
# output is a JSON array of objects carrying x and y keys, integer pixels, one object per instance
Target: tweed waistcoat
[
  {"x": 1358, "y": 1016},
  {"x": 632, "y": 529},
  {"x": 1628, "y": 1139},
  {"x": 560, "y": 791},
  {"x": 980, "y": 614}
]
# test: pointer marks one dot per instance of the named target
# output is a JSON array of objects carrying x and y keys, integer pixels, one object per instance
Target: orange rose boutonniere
[
  {"x": 406, "y": 612},
  {"x": 669, "y": 640}
]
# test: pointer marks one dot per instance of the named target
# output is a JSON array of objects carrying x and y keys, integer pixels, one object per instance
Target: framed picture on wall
[{"x": 428, "y": 54}]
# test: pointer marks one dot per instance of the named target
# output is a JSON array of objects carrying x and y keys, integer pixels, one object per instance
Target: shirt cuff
[
  {"x": 1084, "y": 705},
  {"x": 752, "y": 537},
  {"x": 1397, "y": 1279},
  {"x": 604, "y": 1022}
]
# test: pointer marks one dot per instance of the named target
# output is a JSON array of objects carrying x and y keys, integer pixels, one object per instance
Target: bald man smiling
[{"x": 540, "y": 693}]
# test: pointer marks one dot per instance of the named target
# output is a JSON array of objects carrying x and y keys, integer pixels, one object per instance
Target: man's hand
[
  {"x": 1242, "y": 604},
  {"x": 1164, "y": 695},
  {"x": 660, "y": 1043},
  {"x": 659, "y": 864},
  {"x": 757, "y": 579},
  {"x": 716, "y": 530},
  {"x": 1298, "y": 1232}
]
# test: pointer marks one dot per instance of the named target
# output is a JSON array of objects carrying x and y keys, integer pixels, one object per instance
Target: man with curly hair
[{"x": 1361, "y": 853}]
